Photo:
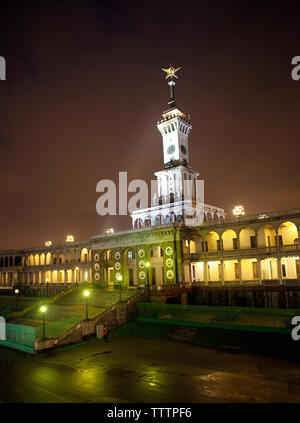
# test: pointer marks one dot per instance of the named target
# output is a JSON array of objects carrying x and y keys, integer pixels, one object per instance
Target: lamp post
[
  {"x": 119, "y": 279},
  {"x": 16, "y": 293},
  {"x": 148, "y": 285},
  {"x": 76, "y": 268},
  {"x": 238, "y": 211},
  {"x": 86, "y": 294},
  {"x": 43, "y": 309}
]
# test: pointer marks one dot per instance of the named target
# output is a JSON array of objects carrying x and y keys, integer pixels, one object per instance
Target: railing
[
  {"x": 260, "y": 216},
  {"x": 240, "y": 252}
]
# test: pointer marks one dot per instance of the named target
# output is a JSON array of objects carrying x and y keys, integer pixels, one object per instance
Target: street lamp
[
  {"x": 119, "y": 278},
  {"x": 76, "y": 268},
  {"x": 238, "y": 211},
  {"x": 43, "y": 309},
  {"x": 16, "y": 292},
  {"x": 148, "y": 285},
  {"x": 86, "y": 294}
]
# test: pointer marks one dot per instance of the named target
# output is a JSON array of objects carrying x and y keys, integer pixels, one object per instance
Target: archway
[
  {"x": 212, "y": 241},
  {"x": 84, "y": 255},
  {"x": 266, "y": 236},
  {"x": 288, "y": 234},
  {"x": 247, "y": 238},
  {"x": 138, "y": 223},
  {"x": 229, "y": 240}
]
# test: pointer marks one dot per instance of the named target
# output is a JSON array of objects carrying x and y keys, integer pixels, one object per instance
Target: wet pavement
[{"x": 135, "y": 369}]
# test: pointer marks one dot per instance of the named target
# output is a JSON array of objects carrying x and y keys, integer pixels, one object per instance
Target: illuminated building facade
[{"x": 164, "y": 247}]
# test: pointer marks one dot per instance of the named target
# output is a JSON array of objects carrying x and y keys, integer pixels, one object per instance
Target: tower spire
[{"x": 171, "y": 73}]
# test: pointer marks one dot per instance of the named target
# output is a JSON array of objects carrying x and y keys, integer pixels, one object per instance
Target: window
[
  {"x": 283, "y": 270},
  {"x": 235, "y": 243},
  {"x": 255, "y": 269},
  {"x": 253, "y": 241},
  {"x": 193, "y": 273},
  {"x": 236, "y": 271},
  {"x": 131, "y": 254}
]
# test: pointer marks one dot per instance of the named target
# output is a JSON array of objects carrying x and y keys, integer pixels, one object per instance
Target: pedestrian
[{"x": 105, "y": 332}]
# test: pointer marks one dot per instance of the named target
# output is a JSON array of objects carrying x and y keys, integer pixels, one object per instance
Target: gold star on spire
[{"x": 171, "y": 72}]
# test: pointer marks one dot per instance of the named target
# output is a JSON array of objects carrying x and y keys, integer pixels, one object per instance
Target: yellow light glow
[
  {"x": 119, "y": 278},
  {"x": 147, "y": 264},
  {"x": 110, "y": 231},
  {"x": 238, "y": 211},
  {"x": 69, "y": 238},
  {"x": 76, "y": 268},
  {"x": 43, "y": 309},
  {"x": 171, "y": 72},
  {"x": 48, "y": 243},
  {"x": 16, "y": 291},
  {"x": 86, "y": 293}
]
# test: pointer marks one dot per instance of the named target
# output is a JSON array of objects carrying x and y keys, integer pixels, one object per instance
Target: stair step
[{"x": 183, "y": 333}]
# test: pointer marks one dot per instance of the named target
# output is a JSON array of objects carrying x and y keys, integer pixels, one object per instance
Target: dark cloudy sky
[{"x": 84, "y": 91}]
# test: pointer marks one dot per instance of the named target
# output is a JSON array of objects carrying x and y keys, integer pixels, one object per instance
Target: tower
[{"x": 177, "y": 198}]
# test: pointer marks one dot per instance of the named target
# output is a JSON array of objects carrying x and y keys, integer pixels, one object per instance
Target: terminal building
[{"x": 177, "y": 240}]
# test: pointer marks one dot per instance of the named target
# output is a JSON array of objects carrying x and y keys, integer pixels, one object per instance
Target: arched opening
[
  {"x": 266, "y": 236},
  {"x": 288, "y": 234},
  {"x": 84, "y": 255},
  {"x": 61, "y": 259},
  {"x": 247, "y": 238},
  {"x": 208, "y": 217},
  {"x": 48, "y": 259},
  {"x": 229, "y": 240},
  {"x": 170, "y": 217},
  {"x": 42, "y": 259},
  {"x": 36, "y": 260},
  {"x": 30, "y": 261},
  {"x": 138, "y": 223},
  {"x": 148, "y": 221},
  {"x": 159, "y": 220},
  {"x": 215, "y": 217},
  {"x": 212, "y": 241}
]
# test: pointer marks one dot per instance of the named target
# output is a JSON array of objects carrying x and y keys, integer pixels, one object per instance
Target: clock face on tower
[
  {"x": 171, "y": 149},
  {"x": 183, "y": 149}
]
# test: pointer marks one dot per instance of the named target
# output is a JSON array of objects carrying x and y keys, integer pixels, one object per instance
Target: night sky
[{"x": 85, "y": 90}]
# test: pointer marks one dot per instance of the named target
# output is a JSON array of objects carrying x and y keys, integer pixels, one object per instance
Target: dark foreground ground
[{"x": 139, "y": 369}]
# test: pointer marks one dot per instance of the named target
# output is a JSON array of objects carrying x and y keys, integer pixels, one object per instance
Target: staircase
[{"x": 183, "y": 334}]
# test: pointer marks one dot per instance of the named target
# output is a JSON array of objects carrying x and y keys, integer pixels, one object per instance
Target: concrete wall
[{"x": 115, "y": 316}]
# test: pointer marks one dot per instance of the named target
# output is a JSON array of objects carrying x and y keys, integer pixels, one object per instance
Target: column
[
  {"x": 205, "y": 273},
  {"x": 277, "y": 241},
  {"x": 259, "y": 271},
  {"x": 222, "y": 272},
  {"x": 279, "y": 268},
  {"x": 240, "y": 271}
]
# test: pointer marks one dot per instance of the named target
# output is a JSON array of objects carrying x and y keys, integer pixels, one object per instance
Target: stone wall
[
  {"x": 255, "y": 297},
  {"x": 114, "y": 317}
]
